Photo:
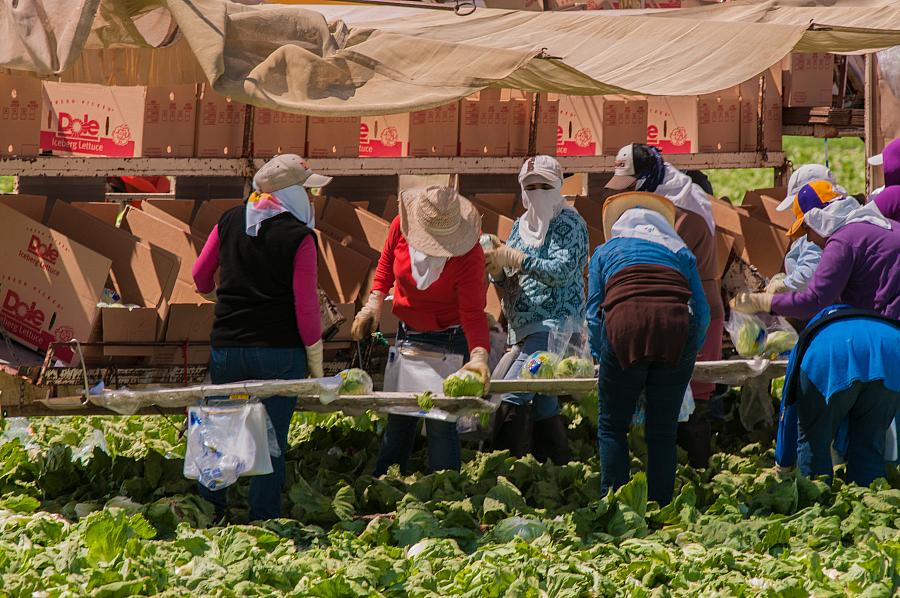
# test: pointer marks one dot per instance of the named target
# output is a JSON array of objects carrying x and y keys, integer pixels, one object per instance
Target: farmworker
[
  {"x": 648, "y": 315},
  {"x": 889, "y": 160},
  {"x": 860, "y": 263},
  {"x": 267, "y": 323},
  {"x": 803, "y": 256},
  {"x": 641, "y": 167},
  {"x": 541, "y": 272},
  {"x": 434, "y": 263}
]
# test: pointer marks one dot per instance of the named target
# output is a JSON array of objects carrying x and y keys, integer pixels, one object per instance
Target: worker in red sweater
[{"x": 434, "y": 263}]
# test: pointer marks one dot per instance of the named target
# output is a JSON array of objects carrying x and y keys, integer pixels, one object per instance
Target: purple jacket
[
  {"x": 892, "y": 164},
  {"x": 888, "y": 201},
  {"x": 860, "y": 266}
]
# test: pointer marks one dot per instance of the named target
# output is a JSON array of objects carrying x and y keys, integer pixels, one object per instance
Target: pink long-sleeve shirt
[{"x": 306, "y": 300}]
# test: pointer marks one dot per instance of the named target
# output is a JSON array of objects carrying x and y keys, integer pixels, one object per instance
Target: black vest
[{"x": 255, "y": 296}]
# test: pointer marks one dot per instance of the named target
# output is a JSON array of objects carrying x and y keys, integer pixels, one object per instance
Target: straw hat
[
  {"x": 438, "y": 221},
  {"x": 615, "y": 206}
]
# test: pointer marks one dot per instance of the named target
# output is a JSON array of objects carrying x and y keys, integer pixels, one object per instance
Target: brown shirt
[{"x": 692, "y": 228}]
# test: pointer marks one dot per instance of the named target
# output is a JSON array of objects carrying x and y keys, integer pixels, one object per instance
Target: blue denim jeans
[
  {"x": 233, "y": 364},
  {"x": 542, "y": 406},
  {"x": 869, "y": 408},
  {"x": 400, "y": 432},
  {"x": 618, "y": 390}
]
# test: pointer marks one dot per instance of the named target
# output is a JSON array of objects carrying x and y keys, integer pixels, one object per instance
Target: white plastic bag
[
  {"x": 417, "y": 368},
  {"x": 226, "y": 441},
  {"x": 760, "y": 335},
  {"x": 569, "y": 342},
  {"x": 684, "y": 414}
]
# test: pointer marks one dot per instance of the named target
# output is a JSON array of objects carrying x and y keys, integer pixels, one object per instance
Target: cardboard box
[
  {"x": 130, "y": 325},
  {"x": 808, "y": 80},
  {"x": 359, "y": 224},
  {"x": 142, "y": 274},
  {"x": 389, "y": 323},
  {"x": 220, "y": 126},
  {"x": 762, "y": 244},
  {"x": 502, "y": 203},
  {"x": 762, "y": 204},
  {"x": 384, "y": 136},
  {"x": 484, "y": 124},
  {"x": 434, "y": 132},
  {"x": 695, "y": 124},
  {"x": 170, "y": 118},
  {"x": 277, "y": 132},
  {"x": 108, "y": 212},
  {"x": 191, "y": 322},
  {"x": 32, "y": 206},
  {"x": 521, "y": 112},
  {"x": 20, "y": 116},
  {"x": 600, "y": 125},
  {"x": 771, "y": 112},
  {"x": 49, "y": 285},
  {"x": 79, "y": 119},
  {"x": 532, "y": 5},
  {"x": 332, "y": 137},
  {"x": 591, "y": 210},
  {"x": 725, "y": 244},
  {"x": 209, "y": 213},
  {"x": 175, "y": 212},
  {"x": 494, "y": 302},
  {"x": 343, "y": 272},
  {"x": 177, "y": 241},
  {"x": 494, "y": 223},
  {"x": 348, "y": 310}
]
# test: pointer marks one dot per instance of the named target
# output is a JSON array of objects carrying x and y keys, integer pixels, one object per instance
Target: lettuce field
[{"x": 99, "y": 507}]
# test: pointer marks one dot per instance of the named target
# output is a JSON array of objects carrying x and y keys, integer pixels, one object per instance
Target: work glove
[
  {"x": 751, "y": 303},
  {"x": 503, "y": 257},
  {"x": 478, "y": 365},
  {"x": 777, "y": 284},
  {"x": 314, "y": 360},
  {"x": 366, "y": 321}
]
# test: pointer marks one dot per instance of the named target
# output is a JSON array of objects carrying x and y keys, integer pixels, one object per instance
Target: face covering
[
  {"x": 541, "y": 206},
  {"x": 426, "y": 269},
  {"x": 839, "y": 213},
  {"x": 641, "y": 223}
]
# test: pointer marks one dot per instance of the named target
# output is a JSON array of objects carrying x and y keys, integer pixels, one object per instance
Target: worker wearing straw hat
[
  {"x": 541, "y": 272},
  {"x": 647, "y": 314},
  {"x": 435, "y": 265},
  {"x": 643, "y": 168},
  {"x": 267, "y": 323}
]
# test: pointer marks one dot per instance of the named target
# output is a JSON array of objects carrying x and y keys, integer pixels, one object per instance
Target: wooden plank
[{"x": 16, "y": 390}]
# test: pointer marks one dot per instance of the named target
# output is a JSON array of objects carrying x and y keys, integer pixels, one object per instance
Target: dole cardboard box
[
  {"x": 808, "y": 79},
  {"x": 332, "y": 137},
  {"x": 694, "y": 124},
  {"x": 176, "y": 212},
  {"x": 484, "y": 124},
  {"x": 719, "y": 126},
  {"x": 176, "y": 240},
  {"x": 356, "y": 222},
  {"x": 277, "y": 132},
  {"x": 108, "y": 212},
  {"x": 79, "y": 119},
  {"x": 384, "y": 136},
  {"x": 170, "y": 117},
  {"x": 762, "y": 204},
  {"x": 520, "y": 115},
  {"x": 600, "y": 125},
  {"x": 220, "y": 125},
  {"x": 209, "y": 213},
  {"x": 434, "y": 132},
  {"x": 343, "y": 272},
  {"x": 32, "y": 206},
  {"x": 49, "y": 285},
  {"x": 130, "y": 324},
  {"x": 20, "y": 116},
  {"x": 771, "y": 111}
]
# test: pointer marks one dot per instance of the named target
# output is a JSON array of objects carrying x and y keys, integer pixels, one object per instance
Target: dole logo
[
  {"x": 23, "y": 311},
  {"x": 47, "y": 252},
  {"x": 77, "y": 127}
]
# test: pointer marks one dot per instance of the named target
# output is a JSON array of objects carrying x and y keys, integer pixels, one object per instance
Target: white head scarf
[
  {"x": 686, "y": 194},
  {"x": 649, "y": 225},
  {"x": 426, "y": 269},
  {"x": 262, "y": 206},
  {"x": 803, "y": 176},
  {"x": 839, "y": 213},
  {"x": 541, "y": 205}
]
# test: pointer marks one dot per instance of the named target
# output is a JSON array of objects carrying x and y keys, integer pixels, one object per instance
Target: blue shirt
[
  {"x": 800, "y": 263},
  {"x": 619, "y": 253},
  {"x": 550, "y": 286}
]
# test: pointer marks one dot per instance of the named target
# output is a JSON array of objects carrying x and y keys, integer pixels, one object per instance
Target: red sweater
[{"x": 456, "y": 298}]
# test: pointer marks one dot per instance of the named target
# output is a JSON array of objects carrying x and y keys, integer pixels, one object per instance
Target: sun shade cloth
[{"x": 292, "y": 58}]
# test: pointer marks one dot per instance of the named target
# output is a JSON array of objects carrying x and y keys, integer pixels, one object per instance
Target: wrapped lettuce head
[
  {"x": 780, "y": 341},
  {"x": 539, "y": 366},
  {"x": 749, "y": 338},
  {"x": 575, "y": 367},
  {"x": 355, "y": 382},
  {"x": 463, "y": 384}
]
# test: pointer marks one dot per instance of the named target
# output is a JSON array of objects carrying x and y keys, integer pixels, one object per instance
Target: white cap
[
  {"x": 624, "y": 172},
  {"x": 803, "y": 176},
  {"x": 876, "y": 160},
  {"x": 544, "y": 168}
]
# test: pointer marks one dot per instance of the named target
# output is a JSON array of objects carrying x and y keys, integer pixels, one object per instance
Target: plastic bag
[
  {"x": 463, "y": 383},
  {"x": 684, "y": 414},
  {"x": 569, "y": 342},
  {"x": 760, "y": 335},
  {"x": 227, "y": 441},
  {"x": 355, "y": 382},
  {"x": 540, "y": 365},
  {"x": 414, "y": 367}
]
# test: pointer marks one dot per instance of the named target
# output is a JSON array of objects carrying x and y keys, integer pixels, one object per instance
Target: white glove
[
  {"x": 366, "y": 321},
  {"x": 478, "y": 364},
  {"x": 777, "y": 284},
  {"x": 751, "y": 303},
  {"x": 314, "y": 360},
  {"x": 503, "y": 257}
]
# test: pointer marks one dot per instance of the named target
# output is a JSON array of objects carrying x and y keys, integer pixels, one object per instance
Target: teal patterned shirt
[{"x": 550, "y": 286}]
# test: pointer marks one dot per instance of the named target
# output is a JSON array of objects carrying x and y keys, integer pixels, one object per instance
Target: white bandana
[
  {"x": 640, "y": 223},
  {"x": 686, "y": 194},
  {"x": 839, "y": 213},
  {"x": 426, "y": 269},
  {"x": 293, "y": 199},
  {"x": 541, "y": 207}
]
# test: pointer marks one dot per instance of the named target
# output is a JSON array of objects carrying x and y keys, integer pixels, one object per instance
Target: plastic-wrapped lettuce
[
  {"x": 748, "y": 334},
  {"x": 780, "y": 341},
  {"x": 540, "y": 365},
  {"x": 355, "y": 382},
  {"x": 463, "y": 384},
  {"x": 575, "y": 367}
]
